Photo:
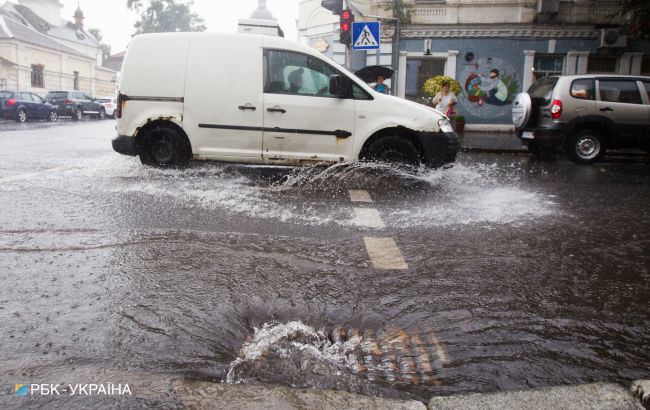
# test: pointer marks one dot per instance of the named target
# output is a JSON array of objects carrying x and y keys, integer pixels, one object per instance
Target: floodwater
[{"x": 520, "y": 273}]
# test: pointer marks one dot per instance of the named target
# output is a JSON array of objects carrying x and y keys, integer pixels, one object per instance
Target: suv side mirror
[{"x": 338, "y": 86}]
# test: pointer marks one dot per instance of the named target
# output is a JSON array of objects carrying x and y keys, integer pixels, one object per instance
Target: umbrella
[{"x": 369, "y": 74}]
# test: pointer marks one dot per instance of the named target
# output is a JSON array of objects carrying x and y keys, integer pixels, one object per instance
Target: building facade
[
  {"x": 40, "y": 52},
  {"x": 518, "y": 40}
]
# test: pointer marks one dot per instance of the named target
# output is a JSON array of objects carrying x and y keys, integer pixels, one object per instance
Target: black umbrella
[{"x": 369, "y": 74}]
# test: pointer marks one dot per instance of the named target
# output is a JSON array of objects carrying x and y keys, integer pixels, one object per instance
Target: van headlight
[{"x": 445, "y": 125}]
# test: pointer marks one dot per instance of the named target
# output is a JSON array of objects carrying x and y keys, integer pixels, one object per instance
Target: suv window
[
  {"x": 6, "y": 94},
  {"x": 542, "y": 90},
  {"x": 299, "y": 74},
  {"x": 583, "y": 89},
  {"x": 619, "y": 91},
  {"x": 37, "y": 98},
  {"x": 646, "y": 84}
]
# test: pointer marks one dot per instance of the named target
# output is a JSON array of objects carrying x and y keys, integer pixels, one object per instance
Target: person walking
[{"x": 445, "y": 100}]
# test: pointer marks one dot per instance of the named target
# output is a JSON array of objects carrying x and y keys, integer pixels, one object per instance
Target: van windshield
[{"x": 542, "y": 90}]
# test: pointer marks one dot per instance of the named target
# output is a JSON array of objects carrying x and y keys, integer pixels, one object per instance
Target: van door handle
[
  {"x": 607, "y": 109},
  {"x": 247, "y": 107},
  {"x": 280, "y": 110}
]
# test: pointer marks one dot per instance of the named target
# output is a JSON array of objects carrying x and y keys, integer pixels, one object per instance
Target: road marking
[
  {"x": 384, "y": 253},
  {"x": 369, "y": 218},
  {"x": 360, "y": 196},
  {"x": 440, "y": 350}
]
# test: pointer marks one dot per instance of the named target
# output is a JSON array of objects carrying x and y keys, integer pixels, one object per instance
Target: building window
[
  {"x": 645, "y": 65},
  {"x": 548, "y": 65},
  {"x": 419, "y": 70},
  {"x": 76, "y": 80},
  {"x": 599, "y": 64},
  {"x": 37, "y": 75},
  {"x": 3, "y": 84}
]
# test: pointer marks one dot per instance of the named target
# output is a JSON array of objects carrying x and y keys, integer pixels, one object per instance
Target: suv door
[
  {"x": 25, "y": 99},
  {"x": 40, "y": 108},
  {"x": 89, "y": 104},
  {"x": 302, "y": 120},
  {"x": 620, "y": 101}
]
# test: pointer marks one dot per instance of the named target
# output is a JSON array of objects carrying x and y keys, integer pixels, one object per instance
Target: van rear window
[{"x": 542, "y": 90}]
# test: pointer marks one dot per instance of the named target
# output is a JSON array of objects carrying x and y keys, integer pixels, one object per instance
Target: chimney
[{"x": 79, "y": 18}]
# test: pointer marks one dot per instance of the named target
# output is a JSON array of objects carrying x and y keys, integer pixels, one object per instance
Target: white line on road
[
  {"x": 440, "y": 350},
  {"x": 369, "y": 218},
  {"x": 360, "y": 196},
  {"x": 384, "y": 253}
]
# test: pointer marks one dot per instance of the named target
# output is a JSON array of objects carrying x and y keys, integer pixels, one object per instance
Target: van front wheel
[
  {"x": 164, "y": 148},
  {"x": 394, "y": 150}
]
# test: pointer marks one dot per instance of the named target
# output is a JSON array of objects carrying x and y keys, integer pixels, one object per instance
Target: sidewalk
[{"x": 499, "y": 142}]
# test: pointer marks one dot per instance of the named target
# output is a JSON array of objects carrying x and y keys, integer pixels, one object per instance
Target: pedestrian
[
  {"x": 445, "y": 100},
  {"x": 380, "y": 87}
]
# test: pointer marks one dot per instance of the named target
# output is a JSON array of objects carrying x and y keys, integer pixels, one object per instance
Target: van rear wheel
[
  {"x": 394, "y": 150},
  {"x": 164, "y": 148}
]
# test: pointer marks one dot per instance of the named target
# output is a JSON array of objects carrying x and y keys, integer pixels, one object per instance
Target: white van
[{"x": 263, "y": 100}]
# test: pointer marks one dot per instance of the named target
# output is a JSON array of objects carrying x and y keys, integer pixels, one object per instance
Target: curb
[{"x": 641, "y": 390}]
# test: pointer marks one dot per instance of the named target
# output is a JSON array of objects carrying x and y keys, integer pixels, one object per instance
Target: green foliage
[
  {"x": 165, "y": 16},
  {"x": 401, "y": 11},
  {"x": 434, "y": 84},
  {"x": 637, "y": 14},
  {"x": 106, "y": 49}
]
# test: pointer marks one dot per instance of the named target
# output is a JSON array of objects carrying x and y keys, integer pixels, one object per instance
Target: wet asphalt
[{"x": 521, "y": 273}]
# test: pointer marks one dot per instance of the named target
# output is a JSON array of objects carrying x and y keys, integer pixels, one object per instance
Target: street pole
[
  {"x": 395, "y": 58},
  {"x": 348, "y": 47}
]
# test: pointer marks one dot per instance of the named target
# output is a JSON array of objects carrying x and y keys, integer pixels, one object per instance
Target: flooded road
[{"x": 518, "y": 273}]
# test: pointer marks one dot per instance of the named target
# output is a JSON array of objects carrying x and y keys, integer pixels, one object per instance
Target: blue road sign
[{"x": 365, "y": 35}]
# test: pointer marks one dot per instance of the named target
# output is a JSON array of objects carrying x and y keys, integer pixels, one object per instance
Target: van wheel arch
[
  {"x": 144, "y": 133},
  {"x": 399, "y": 132}
]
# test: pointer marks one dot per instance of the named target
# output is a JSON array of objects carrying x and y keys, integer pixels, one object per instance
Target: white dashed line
[
  {"x": 369, "y": 218},
  {"x": 360, "y": 196},
  {"x": 440, "y": 350},
  {"x": 384, "y": 253}
]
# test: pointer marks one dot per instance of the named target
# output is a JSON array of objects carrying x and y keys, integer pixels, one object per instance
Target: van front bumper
[
  {"x": 125, "y": 145},
  {"x": 440, "y": 148}
]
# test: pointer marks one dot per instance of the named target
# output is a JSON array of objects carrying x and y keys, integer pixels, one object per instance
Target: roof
[{"x": 12, "y": 29}]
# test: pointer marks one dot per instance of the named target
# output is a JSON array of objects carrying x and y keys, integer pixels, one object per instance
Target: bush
[{"x": 434, "y": 84}]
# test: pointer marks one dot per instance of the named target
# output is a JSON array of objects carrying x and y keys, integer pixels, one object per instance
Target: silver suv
[{"x": 584, "y": 115}]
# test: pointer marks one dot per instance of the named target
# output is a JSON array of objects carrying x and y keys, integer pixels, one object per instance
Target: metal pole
[{"x": 395, "y": 57}]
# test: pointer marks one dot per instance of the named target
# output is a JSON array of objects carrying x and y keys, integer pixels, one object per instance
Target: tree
[
  {"x": 400, "y": 10},
  {"x": 637, "y": 14},
  {"x": 164, "y": 16},
  {"x": 106, "y": 49}
]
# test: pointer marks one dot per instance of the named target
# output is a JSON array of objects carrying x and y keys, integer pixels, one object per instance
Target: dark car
[
  {"x": 584, "y": 115},
  {"x": 23, "y": 106},
  {"x": 75, "y": 104}
]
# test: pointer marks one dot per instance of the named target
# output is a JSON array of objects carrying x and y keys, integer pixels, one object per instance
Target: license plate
[{"x": 529, "y": 135}]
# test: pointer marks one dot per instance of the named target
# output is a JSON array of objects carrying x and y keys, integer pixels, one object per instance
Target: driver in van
[{"x": 295, "y": 81}]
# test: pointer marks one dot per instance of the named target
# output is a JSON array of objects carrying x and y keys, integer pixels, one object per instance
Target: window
[
  {"x": 542, "y": 90},
  {"x": 3, "y": 83},
  {"x": 619, "y": 91},
  {"x": 299, "y": 74},
  {"x": 646, "y": 84},
  {"x": 37, "y": 99},
  {"x": 76, "y": 80},
  {"x": 419, "y": 70},
  {"x": 548, "y": 65},
  {"x": 645, "y": 66},
  {"x": 37, "y": 75},
  {"x": 599, "y": 64},
  {"x": 583, "y": 89}
]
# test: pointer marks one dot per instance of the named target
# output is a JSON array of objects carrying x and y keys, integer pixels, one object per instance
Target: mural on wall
[{"x": 489, "y": 87}]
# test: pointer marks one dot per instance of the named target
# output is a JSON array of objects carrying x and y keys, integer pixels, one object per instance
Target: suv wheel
[
  {"x": 394, "y": 150},
  {"x": 164, "y": 148},
  {"x": 585, "y": 147},
  {"x": 53, "y": 116},
  {"x": 77, "y": 114},
  {"x": 22, "y": 115},
  {"x": 102, "y": 114}
]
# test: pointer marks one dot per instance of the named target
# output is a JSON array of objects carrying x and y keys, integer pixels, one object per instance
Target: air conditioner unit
[{"x": 613, "y": 38}]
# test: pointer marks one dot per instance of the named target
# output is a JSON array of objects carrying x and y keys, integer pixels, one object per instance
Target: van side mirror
[{"x": 338, "y": 86}]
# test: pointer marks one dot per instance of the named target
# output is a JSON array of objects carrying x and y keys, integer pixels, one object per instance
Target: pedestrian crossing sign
[{"x": 365, "y": 35}]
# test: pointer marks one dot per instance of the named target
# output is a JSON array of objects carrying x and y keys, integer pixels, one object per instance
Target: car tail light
[
  {"x": 556, "y": 109},
  {"x": 11, "y": 102},
  {"x": 121, "y": 101},
  {"x": 67, "y": 102}
]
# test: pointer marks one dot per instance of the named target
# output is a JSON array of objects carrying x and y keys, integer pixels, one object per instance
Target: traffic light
[
  {"x": 347, "y": 18},
  {"x": 335, "y": 6}
]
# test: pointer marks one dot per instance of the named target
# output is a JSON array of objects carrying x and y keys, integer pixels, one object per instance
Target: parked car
[
  {"x": 584, "y": 115},
  {"x": 75, "y": 104},
  {"x": 289, "y": 105},
  {"x": 23, "y": 106},
  {"x": 109, "y": 105}
]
